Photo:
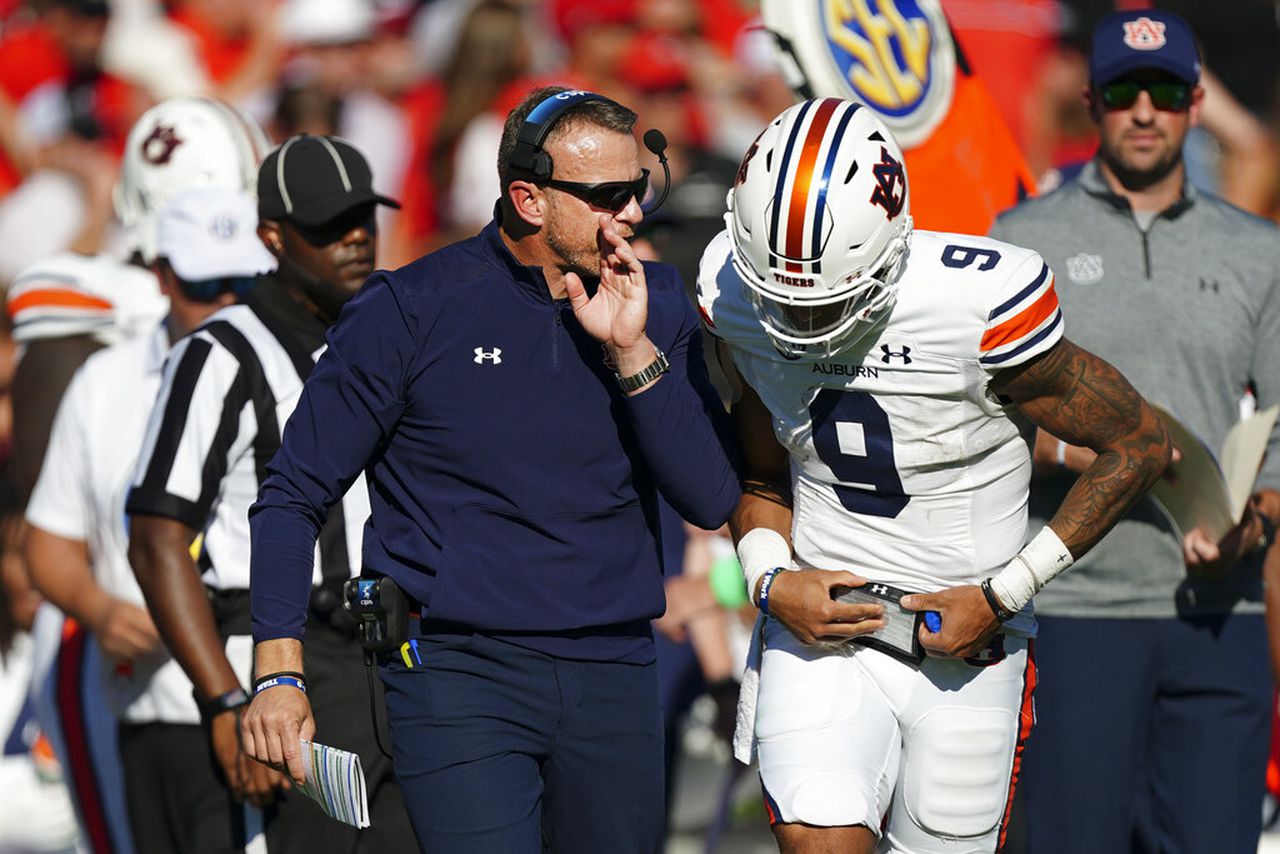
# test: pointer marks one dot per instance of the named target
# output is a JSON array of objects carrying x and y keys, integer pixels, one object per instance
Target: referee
[{"x": 227, "y": 391}]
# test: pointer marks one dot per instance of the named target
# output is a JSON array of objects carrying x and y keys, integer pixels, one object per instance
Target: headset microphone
[{"x": 656, "y": 141}]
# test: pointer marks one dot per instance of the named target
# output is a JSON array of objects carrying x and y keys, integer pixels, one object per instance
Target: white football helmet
[
  {"x": 819, "y": 220},
  {"x": 181, "y": 144}
]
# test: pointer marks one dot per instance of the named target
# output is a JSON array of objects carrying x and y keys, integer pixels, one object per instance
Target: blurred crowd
[{"x": 422, "y": 87}]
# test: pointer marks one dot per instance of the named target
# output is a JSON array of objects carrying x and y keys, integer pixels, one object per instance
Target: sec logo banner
[{"x": 895, "y": 56}]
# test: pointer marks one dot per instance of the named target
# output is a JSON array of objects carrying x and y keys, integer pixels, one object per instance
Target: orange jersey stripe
[
  {"x": 57, "y": 297},
  {"x": 804, "y": 177},
  {"x": 1022, "y": 322},
  {"x": 1027, "y": 719}
]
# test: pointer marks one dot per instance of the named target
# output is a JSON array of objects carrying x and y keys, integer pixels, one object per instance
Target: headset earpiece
[{"x": 528, "y": 156}]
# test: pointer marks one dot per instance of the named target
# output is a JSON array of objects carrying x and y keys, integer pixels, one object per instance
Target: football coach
[{"x": 516, "y": 401}]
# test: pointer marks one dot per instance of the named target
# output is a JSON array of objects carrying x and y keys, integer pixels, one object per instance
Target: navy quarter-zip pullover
[{"x": 512, "y": 483}]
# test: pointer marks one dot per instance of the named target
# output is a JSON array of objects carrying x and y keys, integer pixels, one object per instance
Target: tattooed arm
[
  {"x": 1069, "y": 393},
  {"x": 1076, "y": 396}
]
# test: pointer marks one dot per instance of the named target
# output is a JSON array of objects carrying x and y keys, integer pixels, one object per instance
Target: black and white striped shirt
[{"x": 227, "y": 391}]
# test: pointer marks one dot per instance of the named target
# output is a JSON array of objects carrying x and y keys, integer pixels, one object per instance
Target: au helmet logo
[
  {"x": 158, "y": 147},
  {"x": 746, "y": 160},
  {"x": 1144, "y": 34},
  {"x": 493, "y": 357},
  {"x": 890, "y": 192}
]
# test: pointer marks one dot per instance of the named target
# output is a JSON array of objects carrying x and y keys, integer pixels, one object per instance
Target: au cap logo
[{"x": 1144, "y": 34}]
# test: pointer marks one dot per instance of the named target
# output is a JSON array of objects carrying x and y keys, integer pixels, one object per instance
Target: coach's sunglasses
[
  {"x": 1166, "y": 95},
  {"x": 611, "y": 196}
]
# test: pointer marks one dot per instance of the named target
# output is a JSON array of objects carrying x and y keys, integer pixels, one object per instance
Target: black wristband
[
  {"x": 1003, "y": 614},
  {"x": 1268, "y": 533},
  {"x": 211, "y": 708},
  {"x": 257, "y": 683}
]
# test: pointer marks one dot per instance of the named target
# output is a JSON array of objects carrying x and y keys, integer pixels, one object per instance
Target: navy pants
[
  {"x": 1150, "y": 736},
  {"x": 502, "y": 748}
]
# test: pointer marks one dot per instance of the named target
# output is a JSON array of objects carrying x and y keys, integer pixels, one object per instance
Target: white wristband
[
  {"x": 1034, "y": 567},
  {"x": 760, "y": 550}
]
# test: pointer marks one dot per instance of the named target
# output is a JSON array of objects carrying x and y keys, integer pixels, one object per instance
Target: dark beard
[{"x": 1137, "y": 180}]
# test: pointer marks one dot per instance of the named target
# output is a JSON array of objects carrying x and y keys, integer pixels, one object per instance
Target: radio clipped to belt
[{"x": 381, "y": 611}]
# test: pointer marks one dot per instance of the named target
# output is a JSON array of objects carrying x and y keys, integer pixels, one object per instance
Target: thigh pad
[{"x": 956, "y": 770}]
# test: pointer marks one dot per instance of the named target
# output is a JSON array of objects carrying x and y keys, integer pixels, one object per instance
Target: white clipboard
[{"x": 1207, "y": 491}]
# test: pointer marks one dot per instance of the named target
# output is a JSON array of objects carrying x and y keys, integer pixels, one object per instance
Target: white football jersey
[
  {"x": 906, "y": 469},
  {"x": 99, "y": 295}
]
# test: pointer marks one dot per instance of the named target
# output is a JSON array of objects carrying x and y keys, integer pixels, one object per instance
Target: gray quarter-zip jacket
[{"x": 1189, "y": 311}]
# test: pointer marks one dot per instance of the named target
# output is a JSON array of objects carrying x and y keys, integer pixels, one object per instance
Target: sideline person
[
  {"x": 227, "y": 391},
  {"x": 516, "y": 400},
  {"x": 1157, "y": 690}
]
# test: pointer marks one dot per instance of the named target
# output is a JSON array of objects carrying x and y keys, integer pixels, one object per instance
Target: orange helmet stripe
[{"x": 800, "y": 194}]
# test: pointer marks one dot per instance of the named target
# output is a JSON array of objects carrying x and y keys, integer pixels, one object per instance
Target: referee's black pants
[{"x": 177, "y": 801}]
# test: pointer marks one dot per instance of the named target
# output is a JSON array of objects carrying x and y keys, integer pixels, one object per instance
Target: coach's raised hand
[{"x": 616, "y": 314}]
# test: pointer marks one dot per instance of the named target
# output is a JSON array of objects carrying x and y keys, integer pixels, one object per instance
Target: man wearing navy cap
[{"x": 1154, "y": 698}]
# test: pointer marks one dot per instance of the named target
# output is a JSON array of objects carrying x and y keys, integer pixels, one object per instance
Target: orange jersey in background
[{"x": 970, "y": 167}]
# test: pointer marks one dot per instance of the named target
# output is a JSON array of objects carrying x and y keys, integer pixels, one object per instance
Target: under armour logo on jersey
[
  {"x": 483, "y": 355},
  {"x": 879, "y": 590},
  {"x": 891, "y": 184},
  {"x": 158, "y": 147},
  {"x": 889, "y": 354}
]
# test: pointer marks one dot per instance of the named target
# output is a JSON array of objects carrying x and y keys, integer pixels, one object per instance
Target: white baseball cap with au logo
[{"x": 211, "y": 233}]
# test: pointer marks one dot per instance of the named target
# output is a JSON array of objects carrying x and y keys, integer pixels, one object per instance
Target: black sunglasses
[
  {"x": 335, "y": 229},
  {"x": 1166, "y": 95},
  {"x": 611, "y": 196}
]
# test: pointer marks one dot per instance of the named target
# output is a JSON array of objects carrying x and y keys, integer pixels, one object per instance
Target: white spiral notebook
[{"x": 335, "y": 780}]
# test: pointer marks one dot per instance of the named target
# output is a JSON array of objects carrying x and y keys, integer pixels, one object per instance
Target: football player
[
  {"x": 63, "y": 308},
  {"x": 66, "y": 306},
  {"x": 889, "y": 381}
]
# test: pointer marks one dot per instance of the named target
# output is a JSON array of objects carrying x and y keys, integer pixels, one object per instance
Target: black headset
[{"x": 529, "y": 157}]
